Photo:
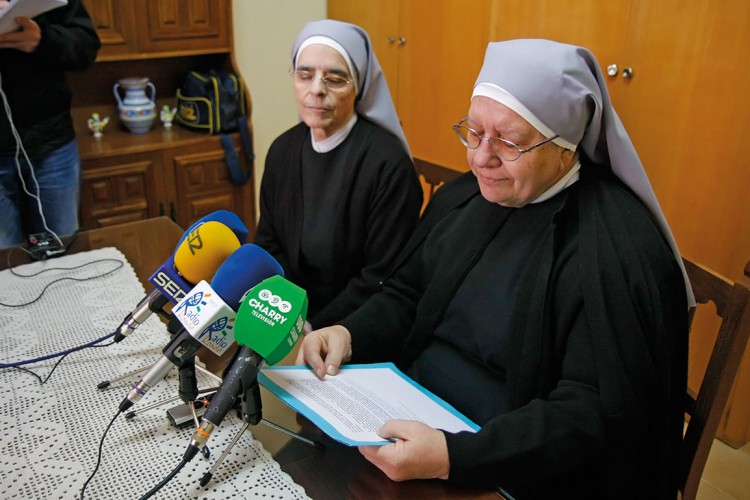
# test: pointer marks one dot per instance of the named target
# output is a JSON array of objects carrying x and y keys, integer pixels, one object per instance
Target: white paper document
[
  {"x": 351, "y": 406},
  {"x": 24, "y": 8}
]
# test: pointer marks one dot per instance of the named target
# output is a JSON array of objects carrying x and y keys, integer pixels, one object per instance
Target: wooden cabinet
[
  {"x": 431, "y": 52},
  {"x": 175, "y": 172},
  {"x": 185, "y": 180},
  {"x": 139, "y": 28}
]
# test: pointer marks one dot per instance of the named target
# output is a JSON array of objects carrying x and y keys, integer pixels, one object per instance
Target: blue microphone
[
  {"x": 207, "y": 314},
  {"x": 200, "y": 251}
]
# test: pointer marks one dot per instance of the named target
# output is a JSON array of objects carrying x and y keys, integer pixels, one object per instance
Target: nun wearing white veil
[
  {"x": 542, "y": 295},
  {"x": 339, "y": 195}
]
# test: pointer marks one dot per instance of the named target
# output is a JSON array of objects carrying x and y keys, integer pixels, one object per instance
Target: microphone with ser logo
[
  {"x": 200, "y": 251},
  {"x": 207, "y": 315}
]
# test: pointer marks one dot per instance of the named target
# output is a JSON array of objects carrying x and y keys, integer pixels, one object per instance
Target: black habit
[
  {"x": 336, "y": 221},
  {"x": 591, "y": 359}
]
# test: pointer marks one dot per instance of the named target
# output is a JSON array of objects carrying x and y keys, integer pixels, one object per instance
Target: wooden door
[
  {"x": 380, "y": 19},
  {"x": 121, "y": 189},
  {"x": 202, "y": 183},
  {"x": 688, "y": 113},
  {"x": 443, "y": 52},
  {"x": 431, "y": 52},
  {"x": 183, "y": 26},
  {"x": 686, "y": 110},
  {"x": 602, "y": 27},
  {"x": 114, "y": 21}
]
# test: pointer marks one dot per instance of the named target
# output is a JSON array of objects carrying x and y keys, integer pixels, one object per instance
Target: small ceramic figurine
[
  {"x": 97, "y": 124},
  {"x": 167, "y": 115}
]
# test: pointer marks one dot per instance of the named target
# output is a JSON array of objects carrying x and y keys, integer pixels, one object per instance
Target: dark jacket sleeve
[{"x": 69, "y": 41}]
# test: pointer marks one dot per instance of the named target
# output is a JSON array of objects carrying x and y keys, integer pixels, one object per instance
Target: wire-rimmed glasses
[
  {"x": 332, "y": 81},
  {"x": 506, "y": 150}
]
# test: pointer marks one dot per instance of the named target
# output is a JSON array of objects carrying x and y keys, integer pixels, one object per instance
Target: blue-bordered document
[{"x": 351, "y": 406}]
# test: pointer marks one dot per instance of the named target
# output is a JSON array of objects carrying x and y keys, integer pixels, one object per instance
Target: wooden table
[{"x": 337, "y": 472}]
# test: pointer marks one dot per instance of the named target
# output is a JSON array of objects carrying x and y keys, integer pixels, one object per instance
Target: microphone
[
  {"x": 270, "y": 320},
  {"x": 199, "y": 253},
  {"x": 229, "y": 219},
  {"x": 207, "y": 314}
]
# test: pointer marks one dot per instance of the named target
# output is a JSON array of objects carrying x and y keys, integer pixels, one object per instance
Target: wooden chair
[
  {"x": 434, "y": 176},
  {"x": 705, "y": 409}
]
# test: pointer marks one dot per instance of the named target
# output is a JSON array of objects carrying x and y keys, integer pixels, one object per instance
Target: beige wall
[{"x": 263, "y": 36}]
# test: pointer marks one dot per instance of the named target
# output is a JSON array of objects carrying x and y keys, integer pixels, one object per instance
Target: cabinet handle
[
  {"x": 391, "y": 40},
  {"x": 612, "y": 70},
  {"x": 627, "y": 72},
  {"x": 401, "y": 40},
  {"x": 161, "y": 209},
  {"x": 172, "y": 214}
]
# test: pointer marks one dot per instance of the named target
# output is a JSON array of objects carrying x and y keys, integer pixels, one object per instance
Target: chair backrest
[
  {"x": 434, "y": 176},
  {"x": 705, "y": 409}
]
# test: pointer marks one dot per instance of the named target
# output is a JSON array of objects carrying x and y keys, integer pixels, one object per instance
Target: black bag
[{"x": 214, "y": 102}]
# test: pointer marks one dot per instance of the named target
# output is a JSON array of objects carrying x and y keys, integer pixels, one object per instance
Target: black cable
[
  {"x": 57, "y": 363},
  {"x": 119, "y": 262},
  {"x": 164, "y": 481},
  {"x": 39, "y": 376},
  {"x": 99, "y": 459}
]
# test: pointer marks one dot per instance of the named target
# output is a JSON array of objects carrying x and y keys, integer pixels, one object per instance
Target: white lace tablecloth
[{"x": 51, "y": 432}]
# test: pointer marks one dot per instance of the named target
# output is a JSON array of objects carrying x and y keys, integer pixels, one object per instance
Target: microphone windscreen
[
  {"x": 229, "y": 219},
  {"x": 203, "y": 250},
  {"x": 271, "y": 318},
  {"x": 245, "y": 268}
]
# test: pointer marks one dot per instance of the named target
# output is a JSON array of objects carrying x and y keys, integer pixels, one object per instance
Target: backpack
[{"x": 214, "y": 102}]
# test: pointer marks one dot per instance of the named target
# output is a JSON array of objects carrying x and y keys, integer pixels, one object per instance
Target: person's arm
[
  {"x": 393, "y": 215},
  {"x": 547, "y": 437},
  {"x": 376, "y": 331},
  {"x": 542, "y": 440},
  {"x": 266, "y": 234},
  {"x": 68, "y": 39}
]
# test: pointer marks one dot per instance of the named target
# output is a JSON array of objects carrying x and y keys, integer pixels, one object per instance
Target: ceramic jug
[{"x": 137, "y": 110}]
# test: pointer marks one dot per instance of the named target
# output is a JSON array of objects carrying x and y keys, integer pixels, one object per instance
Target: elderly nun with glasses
[
  {"x": 542, "y": 296},
  {"x": 339, "y": 196}
]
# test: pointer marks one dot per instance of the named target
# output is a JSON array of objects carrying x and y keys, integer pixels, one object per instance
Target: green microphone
[{"x": 270, "y": 320}]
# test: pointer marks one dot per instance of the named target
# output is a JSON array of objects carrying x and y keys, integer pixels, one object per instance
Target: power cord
[
  {"x": 93, "y": 343},
  {"x": 57, "y": 363},
  {"x": 119, "y": 263},
  {"x": 99, "y": 458}
]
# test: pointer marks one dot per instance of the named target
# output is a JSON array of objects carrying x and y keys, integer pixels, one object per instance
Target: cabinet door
[
  {"x": 172, "y": 25},
  {"x": 431, "y": 52},
  {"x": 443, "y": 52},
  {"x": 203, "y": 185},
  {"x": 687, "y": 110},
  {"x": 114, "y": 21},
  {"x": 601, "y": 27},
  {"x": 121, "y": 189},
  {"x": 381, "y": 22}
]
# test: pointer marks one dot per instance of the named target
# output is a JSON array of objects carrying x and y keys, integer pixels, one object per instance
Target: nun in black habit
[
  {"x": 339, "y": 196},
  {"x": 542, "y": 295}
]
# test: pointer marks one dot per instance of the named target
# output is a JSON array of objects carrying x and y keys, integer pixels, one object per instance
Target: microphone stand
[
  {"x": 252, "y": 414},
  {"x": 173, "y": 328}
]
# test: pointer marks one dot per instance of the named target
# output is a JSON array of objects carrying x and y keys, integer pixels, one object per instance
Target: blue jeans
[{"x": 59, "y": 178}]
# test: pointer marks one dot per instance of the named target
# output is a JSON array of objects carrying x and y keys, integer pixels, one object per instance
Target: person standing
[{"x": 40, "y": 167}]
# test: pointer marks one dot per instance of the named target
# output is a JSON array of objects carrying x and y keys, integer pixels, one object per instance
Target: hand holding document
[
  {"x": 24, "y": 8},
  {"x": 354, "y": 404}
]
